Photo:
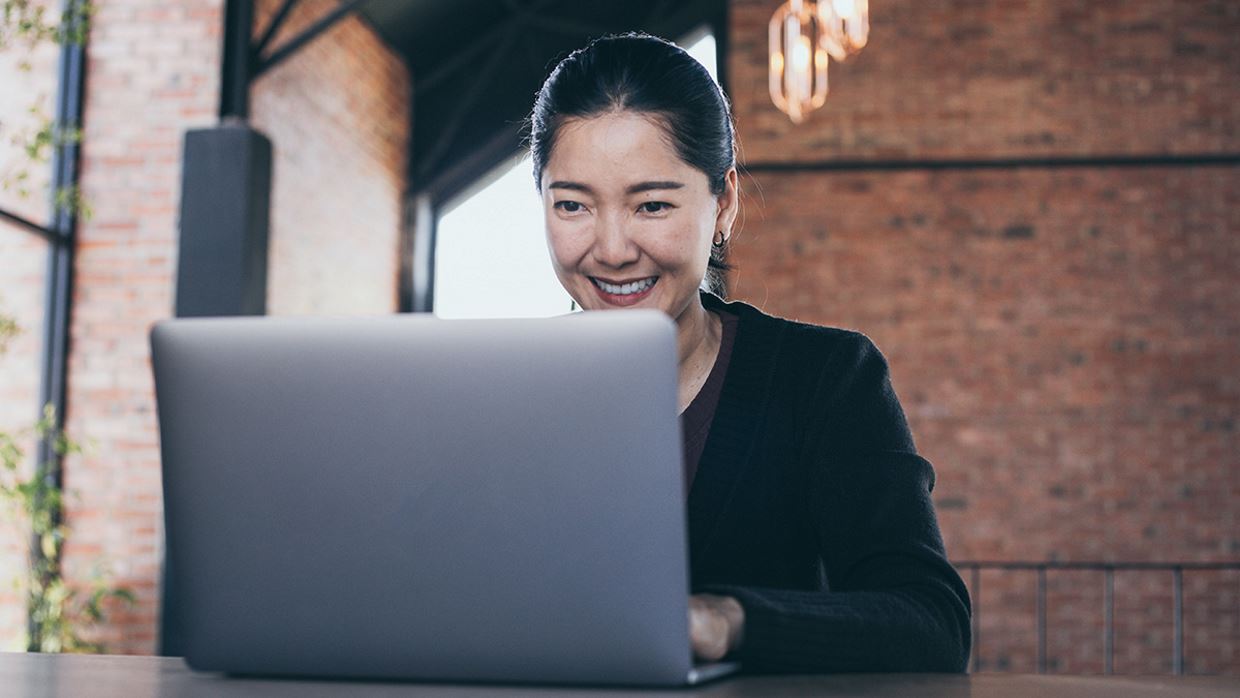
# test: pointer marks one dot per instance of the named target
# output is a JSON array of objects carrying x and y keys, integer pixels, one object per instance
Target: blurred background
[{"x": 1030, "y": 206}]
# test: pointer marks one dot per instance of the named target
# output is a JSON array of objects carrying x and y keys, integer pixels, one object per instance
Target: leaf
[{"x": 125, "y": 594}]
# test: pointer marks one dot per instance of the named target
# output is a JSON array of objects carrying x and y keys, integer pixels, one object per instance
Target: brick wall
[
  {"x": 27, "y": 80},
  {"x": 1065, "y": 340},
  {"x": 986, "y": 78},
  {"x": 337, "y": 115},
  {"x": 152, "y": 73},
  {"x": 22, "y": 271}
]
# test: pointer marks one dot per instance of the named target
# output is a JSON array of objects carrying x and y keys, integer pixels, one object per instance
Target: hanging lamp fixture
[{"x": 803, "y": 35}]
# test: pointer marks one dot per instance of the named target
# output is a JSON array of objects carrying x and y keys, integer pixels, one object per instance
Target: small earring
[{"x": 719, "y": 242}]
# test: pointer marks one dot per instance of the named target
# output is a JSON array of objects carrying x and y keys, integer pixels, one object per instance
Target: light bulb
[{"x": 797, "y": 77}]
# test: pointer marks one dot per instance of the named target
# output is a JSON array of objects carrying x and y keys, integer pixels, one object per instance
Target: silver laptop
[{"x": 411, "y": 498}]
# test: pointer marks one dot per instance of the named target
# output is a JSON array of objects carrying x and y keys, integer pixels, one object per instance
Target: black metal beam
[
  {"x": 243, "y": 59},
  {"x": 293, "y": 45},
  {"x": 405, "y": 254},
  {"x": 462, "y": 173},
  {"x": 1096, "y": 565},
  {"x": 274, "y": 26},
  {"x": 466, "y": 101},
  {"x": 1109, "y": 569},
  {"x": 1226, "y": 159},
  {"x": 658, "y": 12},
  {"x": 29, "y": 226},
  {"x": 458, "y": 60},
  {"x": 238, "y": 61},
  {"x": 58, "y": 288},
  {"x": 1108, "y": 621},
  {"x": 719, "y": 29},
  {"x": 64, "y": 229},
  {"x": 1177, "y": 647},
  {"x": 1040, "y": 614},
  {"x": 571, "y": 27},
  {"x": 678, "y": 18},
  {"x": 426, "y": 224}
]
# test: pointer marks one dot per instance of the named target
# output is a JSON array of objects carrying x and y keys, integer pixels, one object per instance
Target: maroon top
[{"x": 696, "y": 419}]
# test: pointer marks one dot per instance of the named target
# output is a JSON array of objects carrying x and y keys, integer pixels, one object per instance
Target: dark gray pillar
[
  {"x": 222, "y": 265},
  {"x": 225, "y": 202}
]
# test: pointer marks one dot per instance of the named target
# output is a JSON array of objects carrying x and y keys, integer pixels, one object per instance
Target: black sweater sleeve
[{"x": 894, "y": 602}]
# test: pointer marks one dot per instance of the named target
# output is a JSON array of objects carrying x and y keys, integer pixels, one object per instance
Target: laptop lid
[{"x": 409, "y": 497}]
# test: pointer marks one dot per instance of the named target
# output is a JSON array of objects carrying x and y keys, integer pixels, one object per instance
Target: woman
[{"x": 813, "y": 540}]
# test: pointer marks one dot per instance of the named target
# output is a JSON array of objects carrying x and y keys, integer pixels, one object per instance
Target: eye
[
  {"x": 654, "y": 207},
  {"x": 569, "y": 206}
]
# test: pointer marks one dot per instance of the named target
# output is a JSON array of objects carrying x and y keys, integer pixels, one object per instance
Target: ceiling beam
[
  {"x": 274, "y": 26},
  {"x": 520, "y": 18},
  {"x": 453, "y": 124},
  {"x": 291, "y": 46}
]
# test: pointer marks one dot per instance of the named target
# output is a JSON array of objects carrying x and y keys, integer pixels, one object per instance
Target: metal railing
[{"x": 974, "y": 569}]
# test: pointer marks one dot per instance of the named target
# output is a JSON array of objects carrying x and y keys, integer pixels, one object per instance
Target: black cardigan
[{"x": 812, "y": 508}]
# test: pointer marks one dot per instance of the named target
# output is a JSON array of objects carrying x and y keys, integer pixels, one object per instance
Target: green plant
[
  {"x": 8, "y": 330},
  {"x": 22, "y": 20},
  {"x": 27, "y": 23},
  {"x": 56, "y": 612}
]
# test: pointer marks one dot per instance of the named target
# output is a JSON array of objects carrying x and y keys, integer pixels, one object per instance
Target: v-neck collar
[{"x": 741, "y": 411}]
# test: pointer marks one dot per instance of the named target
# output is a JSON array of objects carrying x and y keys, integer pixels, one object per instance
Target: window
[{"x": 491, "y": 255}]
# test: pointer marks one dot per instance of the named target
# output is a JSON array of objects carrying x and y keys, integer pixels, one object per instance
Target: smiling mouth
[{"x": 632, "y": 288}]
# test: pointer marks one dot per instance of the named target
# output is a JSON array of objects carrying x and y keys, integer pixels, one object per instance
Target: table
[{"x": 40, "y": 676}]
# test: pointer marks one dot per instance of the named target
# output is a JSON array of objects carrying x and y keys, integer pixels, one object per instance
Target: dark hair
[{"x": 641, "y": 73}]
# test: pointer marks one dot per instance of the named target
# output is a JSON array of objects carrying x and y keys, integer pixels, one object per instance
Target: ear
[{"x": 729, "y": 203}]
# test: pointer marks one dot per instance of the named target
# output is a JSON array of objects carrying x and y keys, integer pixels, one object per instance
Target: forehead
[{"x": 617, "y": 147}]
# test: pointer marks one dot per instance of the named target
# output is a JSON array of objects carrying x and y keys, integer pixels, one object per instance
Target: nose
[{"x": 613, "y": 246}]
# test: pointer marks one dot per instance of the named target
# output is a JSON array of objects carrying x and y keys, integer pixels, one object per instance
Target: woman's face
[{"x": 629, "y": 224}]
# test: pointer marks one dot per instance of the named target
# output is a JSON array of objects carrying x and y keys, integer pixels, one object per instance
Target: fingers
[{"x": 708, "y": 630}]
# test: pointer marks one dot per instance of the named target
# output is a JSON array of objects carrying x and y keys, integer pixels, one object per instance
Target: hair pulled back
[{"x": 645, "y": 74}]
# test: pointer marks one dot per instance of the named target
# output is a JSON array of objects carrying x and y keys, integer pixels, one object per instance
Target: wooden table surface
[{"x": 36, "y": 675}]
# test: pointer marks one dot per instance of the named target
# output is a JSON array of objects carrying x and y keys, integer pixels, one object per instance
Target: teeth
[{"x": 625, "y": 289}]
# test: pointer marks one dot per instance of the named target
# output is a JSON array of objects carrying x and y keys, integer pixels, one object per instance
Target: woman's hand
[{"x": 716, "y": 625}]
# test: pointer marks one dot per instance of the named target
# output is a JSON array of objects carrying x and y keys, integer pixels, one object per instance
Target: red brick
[{"x": 1063, "y": 339}]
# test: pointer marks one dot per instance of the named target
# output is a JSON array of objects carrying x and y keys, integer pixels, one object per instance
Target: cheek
[
  {"x": 685, "y": 245},
  {"x": 566, "y": 244}
]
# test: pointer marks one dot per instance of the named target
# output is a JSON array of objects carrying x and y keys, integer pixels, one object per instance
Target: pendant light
[{"x": 802, "y": 36}]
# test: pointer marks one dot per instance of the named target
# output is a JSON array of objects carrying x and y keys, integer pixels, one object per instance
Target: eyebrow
[
  {"x": 653, "y": 186},
  {"x": 632, "y": 189}
]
